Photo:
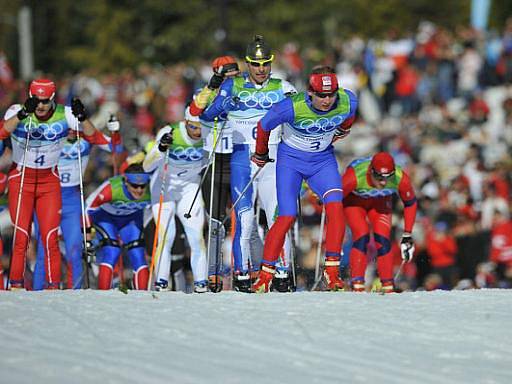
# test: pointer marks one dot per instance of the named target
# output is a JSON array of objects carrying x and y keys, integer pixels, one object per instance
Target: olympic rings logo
[
  {"x": 257, "y": 100},
  {"x": 70, "y": 151},
  {"x": 45, "y": 131},
  {"x": 375, "y": 193},
  {"x": 320, "y": 125},
  {"x": 187, "y": 154},
  {"x": 127, "y": 206}
]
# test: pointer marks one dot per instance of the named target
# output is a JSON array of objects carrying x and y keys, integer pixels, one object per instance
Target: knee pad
[
  {"x": 361, "y": 244},
  {"x": 385, "y": 244}
]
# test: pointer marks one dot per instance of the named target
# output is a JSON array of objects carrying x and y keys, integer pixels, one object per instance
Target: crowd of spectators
[{"x": 439, "y": 100}]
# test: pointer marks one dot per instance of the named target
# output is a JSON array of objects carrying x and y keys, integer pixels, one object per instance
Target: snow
[{"x": 308, "y": 337}]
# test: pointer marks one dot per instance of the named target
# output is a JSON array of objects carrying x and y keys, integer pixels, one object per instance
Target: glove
[
  {"x": 78, "y": 109},
  {"x": 215, "y": 81},
  {"x": 90, "y": 252},
  {"x": 407, "y": 247},
  {"x": 165, "y": 142},
  {"x": 261, "y": 160},
  {"x": 340, "y": 134},
  {"x": 113, "y": 124},
  {"x": 29, "y": 107}
]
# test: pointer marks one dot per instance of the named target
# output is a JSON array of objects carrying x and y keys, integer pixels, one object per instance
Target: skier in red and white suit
[
  {"x": 45, "y": 125},
  {"x": 368, "y": 187}
]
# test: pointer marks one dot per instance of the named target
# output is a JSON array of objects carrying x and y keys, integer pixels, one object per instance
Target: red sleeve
[
  {"x": 3, "y": 133},
  {"x": 101, "y": 196},
  {"x": 262, "y": 140},
  {"x": 3, "y": 182},
  {"x": 348, "y": 181},
  {"x": 194, "y": 109},
  {"x": 348, "y": 123},
  {"x": 97, "y": 138},
  {"x": 408, "y": 197}
]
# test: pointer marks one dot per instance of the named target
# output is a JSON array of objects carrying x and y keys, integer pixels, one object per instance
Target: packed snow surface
[{"x": 308, "y": 337}]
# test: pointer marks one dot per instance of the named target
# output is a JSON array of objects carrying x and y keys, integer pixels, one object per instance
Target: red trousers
[
  {"x": 40, "y": 192},
  {"x": 360, "y": 214}
]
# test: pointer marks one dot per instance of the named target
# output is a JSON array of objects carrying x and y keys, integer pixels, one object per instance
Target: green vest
[{"x": 364, "y": 189}]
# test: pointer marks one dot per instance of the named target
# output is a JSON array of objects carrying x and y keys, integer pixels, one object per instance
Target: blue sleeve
[
  {"x": 280, "y": 113},
  {"x": 353, "y": 102},
  {"x": 218, "y": 106}
]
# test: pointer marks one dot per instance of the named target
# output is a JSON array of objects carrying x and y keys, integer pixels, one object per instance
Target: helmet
[
  {"x": 383, "y": 164},
  {"x": 225, "y": 64},
  {"x": 190, "y": 117},
  {"x": 323, "y": 82},
  {"x": 258, "y": 50},
  {"x": 42, "y": 89}
]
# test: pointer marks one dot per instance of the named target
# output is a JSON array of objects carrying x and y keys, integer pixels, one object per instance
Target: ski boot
[
  {"x": 215, "y": 283},
  {"x": 281, "y": 281},
  {"x": 331, "y": 274},
  {"x": 161, "y": 285},
  {"x": 264, "y": 280},
  {"x": 388, "y": 287},
  {"x": 242, "y": 282},
  {"x": 200, "y": 286},
  {"x": 358, "y": 286}
]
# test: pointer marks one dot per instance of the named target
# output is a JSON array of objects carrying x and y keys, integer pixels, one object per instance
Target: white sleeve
[
  {"x": 13, "y": 109},
  {"x": 288, "y": 88},
  {"x": 155, "y": 157},
  {"x": 71, "y": 119}
]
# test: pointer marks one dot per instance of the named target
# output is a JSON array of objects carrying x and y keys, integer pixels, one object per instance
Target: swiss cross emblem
[
  {"x": 40, "y": 91},
  {"x": 326, "y": 83},
  {"x": 384, "y": 170}
]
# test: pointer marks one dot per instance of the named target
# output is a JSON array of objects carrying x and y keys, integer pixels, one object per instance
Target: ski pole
[
  {"x": 212, "y": 186},
  {"x": 208, "y": 164},
  {"x": 318, "y": 276},
  {"x": 160, "y": 206},
  {"x": 399, "y": 272},
  {"x": 82, "y": 202},
  {"x": 228, "y": 215},
  {"x": 18, "y": 203}
]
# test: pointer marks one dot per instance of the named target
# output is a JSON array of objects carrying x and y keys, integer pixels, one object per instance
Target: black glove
[
  {"x": 340, "y": 134},
  {"x": 407, "y": 247},
  {"x": 261, "y": 160},
  {"x": 29, "y": 106},
  {"x": 78, "y": 109},
  {"x": 215, "y": 81},
  {"x": 165, "y": 142}
]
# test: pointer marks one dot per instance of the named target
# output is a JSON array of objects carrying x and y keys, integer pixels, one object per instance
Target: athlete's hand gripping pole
[{"x": 20, "y": 192}]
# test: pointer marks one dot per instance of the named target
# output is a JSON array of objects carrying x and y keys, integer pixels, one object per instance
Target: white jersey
[
  {"x": 222, "y": 139},
  {"x": 45, "y": 140}
]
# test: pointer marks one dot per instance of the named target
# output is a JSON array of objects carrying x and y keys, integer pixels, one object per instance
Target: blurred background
[{"x": 433, "y": 81}]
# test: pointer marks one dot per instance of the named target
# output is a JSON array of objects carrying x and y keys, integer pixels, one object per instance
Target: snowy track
[{"x": 320, "y": 337}]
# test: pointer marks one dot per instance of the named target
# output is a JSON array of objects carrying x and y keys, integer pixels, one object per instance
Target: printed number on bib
[
  {"x": 39, "y": 160},
  {"x": 315, "y": 145},
  {"x": 254, "y": 131},
  {"x": 65, "y": 177}
]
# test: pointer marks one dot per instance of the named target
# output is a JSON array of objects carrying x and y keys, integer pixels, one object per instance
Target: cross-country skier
[
  {"x": 38, "y": 129},
  {"x": 182, "y": 142},
  {"x": 71, "y": 205},
  {"x": 368, "y": 187},
  {"x": 311, "y": 120},
  {"x": 116, "y": 210},
  {"x": 216, "y": 134},
  {"x": 246, "y": 99}
]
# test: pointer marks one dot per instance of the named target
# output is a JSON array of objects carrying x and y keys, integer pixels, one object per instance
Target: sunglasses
[
  {"x": 381, "y": 177},
  {"x": 259, "y": 63},
  {"x": 44, "y": 101},
  {"x": 193, "y": 126},
  {"x": 137, "y": 186},
  {"x": 324, "y": 95}
]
